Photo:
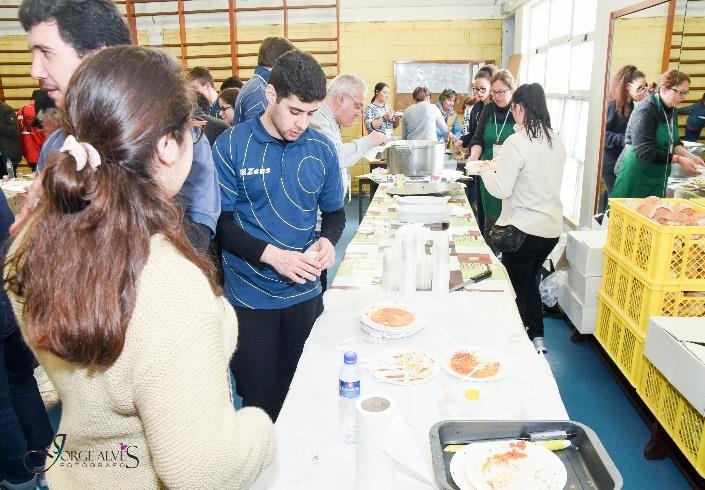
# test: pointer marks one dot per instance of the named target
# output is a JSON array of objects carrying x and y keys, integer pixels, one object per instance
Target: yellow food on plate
[
  {"x": 393, "y": 317},
  {"x": 466, "y": 363}
]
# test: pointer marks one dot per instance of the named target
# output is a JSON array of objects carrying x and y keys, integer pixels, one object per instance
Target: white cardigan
[{"x": 528, "y": 177}]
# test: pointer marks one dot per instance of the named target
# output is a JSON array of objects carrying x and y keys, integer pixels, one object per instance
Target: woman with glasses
[
  {"x": 126, "y": 317},
  {"x": 226, "y": 101},
  {"x": 446, "y": 104},
  {"x": 628, "y": 86},
  {"x": 494, "y": 126},
  {"x": 527, "y": 175},
  {"x": 378, "y": 115},
  {"x": 652, "y": 143},
  {"x": 481, "y": 91}
]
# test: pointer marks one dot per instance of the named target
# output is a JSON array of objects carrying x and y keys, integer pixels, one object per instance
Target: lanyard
[
  {"x": 670, "y": 145},
  {"x": 497, "y": 135},
  {"x": 669, "y": 125}
]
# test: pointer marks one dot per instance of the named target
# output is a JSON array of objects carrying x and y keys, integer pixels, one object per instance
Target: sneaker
[{"x": 538, "y": 345}]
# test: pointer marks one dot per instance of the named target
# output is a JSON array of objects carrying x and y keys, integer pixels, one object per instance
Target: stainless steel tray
[
  {"x": 588, "y": 464},
  {"x": 426, "y": 189}
]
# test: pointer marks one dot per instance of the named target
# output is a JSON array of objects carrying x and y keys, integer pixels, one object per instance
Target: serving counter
[{"x": 311, "y": 454}]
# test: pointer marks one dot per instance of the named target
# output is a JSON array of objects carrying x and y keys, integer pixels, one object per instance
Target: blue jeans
[{"x": 24, "y": 424}]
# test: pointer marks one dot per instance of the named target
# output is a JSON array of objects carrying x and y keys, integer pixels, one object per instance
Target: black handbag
[{"x": 506, "y": 238}]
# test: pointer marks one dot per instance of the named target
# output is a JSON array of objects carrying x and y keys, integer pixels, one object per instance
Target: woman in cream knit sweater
[{"x": 126, "y": 318}]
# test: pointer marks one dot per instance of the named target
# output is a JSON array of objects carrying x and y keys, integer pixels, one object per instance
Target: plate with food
[
  {"x": 477, "y": 166},
  {"x": 507, "y": 465},
  {"x": 390, "y": 316},
  {"x": 404, "y": 366},
  {"x": 475, "y": 363}
]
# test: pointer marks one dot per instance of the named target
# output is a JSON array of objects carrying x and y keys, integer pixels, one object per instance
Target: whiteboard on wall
[{"x": 435, "y": 76}]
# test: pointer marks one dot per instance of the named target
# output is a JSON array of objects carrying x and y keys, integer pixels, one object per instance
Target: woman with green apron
[
  {"x": 495, "y": 125},
  {"x": 652, "y": 142}
]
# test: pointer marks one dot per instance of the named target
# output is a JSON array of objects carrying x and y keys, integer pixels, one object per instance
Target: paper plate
[
  {"x": 484, "y": 367},
  {"x": 404, "y": 366},
  {"x": 404, "y": 316},
  {"x": 507, "y": 465},
  {"x": 390, "y": 335}
]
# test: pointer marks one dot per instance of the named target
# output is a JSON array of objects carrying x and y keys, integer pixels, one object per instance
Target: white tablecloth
[{"x": 310, "y": 453}]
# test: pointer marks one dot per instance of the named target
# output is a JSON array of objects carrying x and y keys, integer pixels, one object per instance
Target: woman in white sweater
[
  {"x": 527, "y": 175},
  {"x": 125, "y": 316}
]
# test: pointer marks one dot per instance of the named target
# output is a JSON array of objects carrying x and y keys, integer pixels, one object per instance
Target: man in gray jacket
[{"x": 342, "y": 105}]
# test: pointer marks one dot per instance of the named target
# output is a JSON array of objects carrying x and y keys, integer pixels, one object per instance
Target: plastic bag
[{"x": 551, "y": 286}]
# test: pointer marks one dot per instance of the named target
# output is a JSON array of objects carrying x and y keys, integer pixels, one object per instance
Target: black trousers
[
  {"x": 270, "y": 343},
  {"x": 523, "y": 267}
]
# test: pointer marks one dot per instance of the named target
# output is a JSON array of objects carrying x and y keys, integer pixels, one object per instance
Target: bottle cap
[{"x": 350, "y": 357}]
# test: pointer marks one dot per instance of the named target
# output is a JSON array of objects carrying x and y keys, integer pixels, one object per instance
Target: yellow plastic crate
[
  {"x": 624, "y": 346},
  {"x": 678, "y": 417},
  {"x": 669, "y": 255},
  {"x": 637, "y": 300}
]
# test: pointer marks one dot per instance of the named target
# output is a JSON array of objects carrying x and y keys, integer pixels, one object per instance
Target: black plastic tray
[{"x": 586, "y": 461}]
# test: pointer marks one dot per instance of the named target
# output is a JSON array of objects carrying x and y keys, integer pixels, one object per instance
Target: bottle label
[{"x": 349, "y": 389}]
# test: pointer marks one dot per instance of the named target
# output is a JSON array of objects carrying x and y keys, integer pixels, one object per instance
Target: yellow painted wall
[
  {"x": 639, "y": 41},
  {"x": 368, "y": 49}
]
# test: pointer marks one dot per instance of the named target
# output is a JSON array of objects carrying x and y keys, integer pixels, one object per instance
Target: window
[{"x": 559, "y": 53}]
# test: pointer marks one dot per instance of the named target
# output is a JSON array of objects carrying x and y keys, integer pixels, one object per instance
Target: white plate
[
  {"x": 365, "y": 316},
  {"x": 386, "y": 363},
  {"x": 546, "y": 469},
  {"x": 391, "y": 335},
  {"x": 484, "y": 354}
]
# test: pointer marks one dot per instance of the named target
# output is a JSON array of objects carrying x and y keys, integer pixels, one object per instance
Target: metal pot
[{"x": 416, "y": 157}]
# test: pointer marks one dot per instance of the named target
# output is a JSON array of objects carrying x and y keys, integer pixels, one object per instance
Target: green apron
[
  {"x": 490, "y": 204},
  {"x": 641, "y": 178}
]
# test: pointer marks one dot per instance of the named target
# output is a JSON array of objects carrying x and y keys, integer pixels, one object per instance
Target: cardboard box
[
  {"x": 673, "y": 347},
  {"x": 583, "y": 317},
  {"x": 584, "y": 251},
  {"x": 584, "y": 288}
]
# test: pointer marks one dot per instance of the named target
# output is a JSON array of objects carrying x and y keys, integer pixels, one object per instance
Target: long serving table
[{"x": 311, "y": 454}]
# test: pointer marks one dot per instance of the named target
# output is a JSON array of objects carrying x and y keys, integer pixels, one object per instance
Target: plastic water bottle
[
  {"x": 10, "y": 168},
  {"x": 349, "y": 391}
]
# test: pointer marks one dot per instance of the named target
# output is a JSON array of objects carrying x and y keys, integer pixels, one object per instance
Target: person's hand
[
  {"x": 324, "y": 253},
  {"x": 294, "y": 265},
  {"x": 688, "y": 164},
  {"x": 378, "y": 139},
  {"x": 699, "y": 161},
  {"x": 388, "y": 116}
]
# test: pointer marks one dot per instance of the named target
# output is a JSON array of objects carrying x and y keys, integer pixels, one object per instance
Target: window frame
[{"x": 570, "y": 213}]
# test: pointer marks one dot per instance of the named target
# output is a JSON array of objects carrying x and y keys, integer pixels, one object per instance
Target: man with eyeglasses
[
  {"x": 652, "y": 142},
  {"x": 341, "y": 107}
]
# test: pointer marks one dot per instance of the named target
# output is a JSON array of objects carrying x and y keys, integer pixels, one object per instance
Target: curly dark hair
[
  {"x": 85, "y": 25},
  {"x": 619, "y": 91},
  {"x": 537, "y": 119},
  {"x": 298, "y": 73}
]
